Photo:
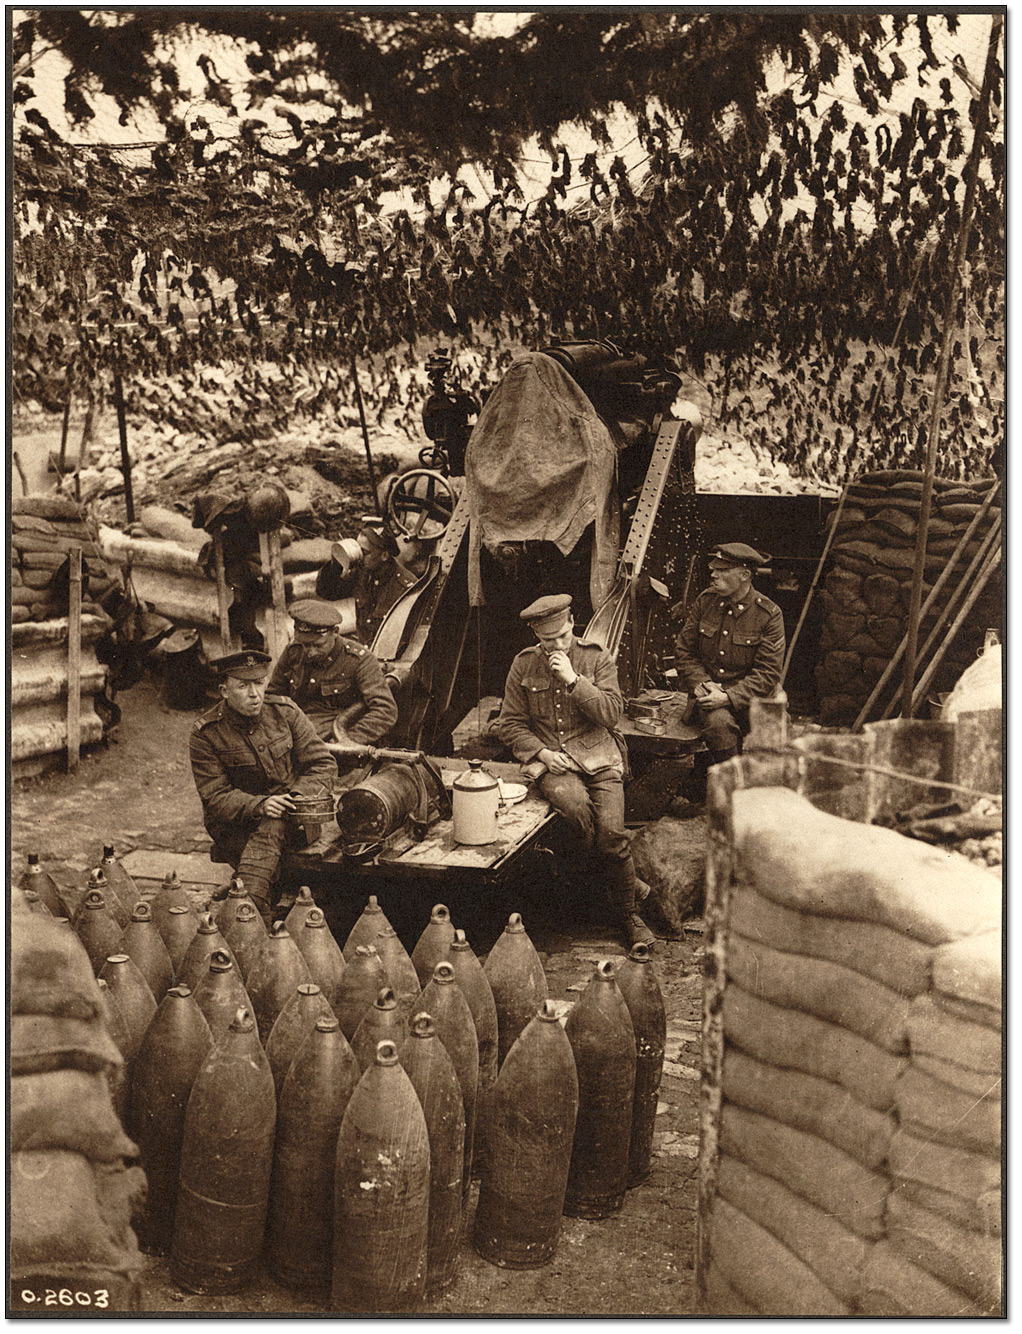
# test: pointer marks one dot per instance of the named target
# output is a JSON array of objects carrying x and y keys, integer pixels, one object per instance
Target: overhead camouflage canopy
[{"x": 783, "y": 226}]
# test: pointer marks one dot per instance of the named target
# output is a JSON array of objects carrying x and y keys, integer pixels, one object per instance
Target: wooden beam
[{"x": 74, "y": 658}]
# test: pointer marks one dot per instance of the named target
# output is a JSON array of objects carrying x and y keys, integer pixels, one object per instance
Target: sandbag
[
  {"x": 20, "y": 615},
  {"x": 958, "y": 1171},
  {"x": 892, "y": 1287},
  {"x": 814, "y": 862},
  {"x": 47, "y": 507},
  {"x": 934, "y": 1032},
  {"x": 982, "y": 1215},
  {"x": 809, "y": 1167},
  {"x": 842, "y": 585},
  {"x": 50, "y": 971},
  {"x": 896, "y": 522},
  {"x": 722, "y": 1298},
  {"x": 963, "y": 512},
  {"x": 933, "y": 1110},
  {"x": 56, "y": 1216},
  {"x": 831, "y": 1251},
  {"x": 978, "y": 687},
  {"x": 881, "y": 592},
  {"x": 799, "y": 1041},
  {"x": 308, "y": 553},
  {"x": 37, "y": 578},
  {"x": 41, "y": 1042},
  {"x": 952, "y": 1254},
  {"x": 968, "y": 1011},
  {"x": 672, "y": 864},
  {"x": 821, "y": 988},
  {"x": 971, "y": 1082},
  {"x": 971, "y": 969},
  {"x": 775, "y": 1280},
  {"x": 161, "y": 522},
  {"x": 814, "y": 1105},
  {"x": 67, "y": 1109}
]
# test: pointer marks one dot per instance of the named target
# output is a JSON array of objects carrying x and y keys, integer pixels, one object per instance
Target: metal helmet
[{"x": 266, "y": 506}]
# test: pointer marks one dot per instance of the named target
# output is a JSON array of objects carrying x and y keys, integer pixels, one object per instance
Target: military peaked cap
[
  {"x": 547, "y": 612},
  {"x": 248, "y": 665},
  {"x": 727, "y": 555},
  {"x": 314, "y": 613}
]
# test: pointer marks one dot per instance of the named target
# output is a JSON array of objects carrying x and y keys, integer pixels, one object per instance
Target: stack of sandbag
[
  {"x": 44, "y": 529},
  {"x": 866, "y": 594},
  {"x": 72, "y": 1192},
  {"x": 944, "y": 1215},
  {"x": 835, "y": 930}
]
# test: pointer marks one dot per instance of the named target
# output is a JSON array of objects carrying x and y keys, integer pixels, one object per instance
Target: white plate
[{"x": 513, "y": 793}]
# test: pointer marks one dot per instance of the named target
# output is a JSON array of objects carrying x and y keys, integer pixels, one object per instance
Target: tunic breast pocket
[
  {"x": 743, "y": 650},
  {"x": 335, "y": 691},
  {"x": 280, "y": 746},
  {"x": 540, "y": 696}
]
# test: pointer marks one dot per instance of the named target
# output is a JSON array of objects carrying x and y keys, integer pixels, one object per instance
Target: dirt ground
[{"x": 137, "y": 793}]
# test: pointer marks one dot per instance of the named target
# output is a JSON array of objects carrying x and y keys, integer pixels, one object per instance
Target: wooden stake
[
  {"x": 365, "y": 437},
  {"x": 273, "y": 566},
  {"x": 950, "y": 334},
  {"x": 222, "y": 599},
  {"x": 122, "y": 428},
  {"x": 66, "y": 422},
  {"x": 74, "y": 657}
]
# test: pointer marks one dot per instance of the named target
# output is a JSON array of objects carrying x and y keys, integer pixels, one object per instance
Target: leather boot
[{"x": 621, "y": 892}]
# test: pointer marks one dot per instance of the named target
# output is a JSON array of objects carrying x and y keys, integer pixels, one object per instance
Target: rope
[{"x": 785, "y": 752}]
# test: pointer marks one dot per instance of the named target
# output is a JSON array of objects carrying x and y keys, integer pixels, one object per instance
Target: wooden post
[
  {"x": 67, "y": 420},
  {"x": 273, "y": 566},
  {"x": 122, "y": 428},
  {"x": 943, "y": 367},
  {"x": 365, "y": 436},
  {"x": 222, "y": 602},
  {"x": 74, "y": 657}
]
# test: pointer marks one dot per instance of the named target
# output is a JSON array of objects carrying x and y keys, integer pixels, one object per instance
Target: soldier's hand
[
  {"x": 555, "y": 760},
  {"x": 277, "y": 806},
  {"x": 712, "y": 696},
  {"x": 560, "y": 665}
]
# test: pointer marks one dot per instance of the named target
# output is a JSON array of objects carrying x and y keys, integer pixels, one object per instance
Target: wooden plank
[
  {"x": 122, "y": 431},
  {"x": 222, "y": 598},
  {"x": 277, "y": 596},
  {"x": 74, "y": 658}
]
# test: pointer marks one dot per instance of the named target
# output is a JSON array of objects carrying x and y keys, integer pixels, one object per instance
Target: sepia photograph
[{"x": 506, "y": 606}]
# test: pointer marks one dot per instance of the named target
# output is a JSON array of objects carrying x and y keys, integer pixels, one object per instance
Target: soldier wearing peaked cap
[
  {"x": 731, "y": 648},
  {"x": 337, "y": 682},
  {"x": 248, "y": 753},
  {"x": 562, "y": 704}
]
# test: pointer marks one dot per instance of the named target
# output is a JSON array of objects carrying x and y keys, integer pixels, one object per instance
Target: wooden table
[
  {"x": 677, "y": 737},
  {"x": 518, "y": 827}
]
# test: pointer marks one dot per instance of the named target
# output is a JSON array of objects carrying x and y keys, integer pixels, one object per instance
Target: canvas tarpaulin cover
[{"x": 541, "y": 465}]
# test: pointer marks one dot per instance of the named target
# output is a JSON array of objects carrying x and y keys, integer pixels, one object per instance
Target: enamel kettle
[{"x": 476, "y": 800}]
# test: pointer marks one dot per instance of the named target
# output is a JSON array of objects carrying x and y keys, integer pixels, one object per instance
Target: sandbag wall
[
  {"x": 850, "y": 1157},
  {"x": 72, "y": 1193},
  {"x": 866, "y": 593},
  {"x": 44, "y": 530}
]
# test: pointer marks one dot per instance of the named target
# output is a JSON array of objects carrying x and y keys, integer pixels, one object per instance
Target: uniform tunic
[
  {"x": 738, "y": 645},
  {"x": 349, "y": 675},
  {"x": 237, "y": 761},
  {"x": 539, "y": 712}
]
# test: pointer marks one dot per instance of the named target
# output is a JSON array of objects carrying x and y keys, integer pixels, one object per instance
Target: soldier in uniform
[
  {"x": 336, "y": 682},
  {"x": 730, "y": 649},
  {"x": 248, "y": 753},
  {"x": 562, "y": 704}
]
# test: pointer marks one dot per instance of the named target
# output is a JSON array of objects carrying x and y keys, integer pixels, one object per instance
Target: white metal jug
[{"x": 476, "y": 800}]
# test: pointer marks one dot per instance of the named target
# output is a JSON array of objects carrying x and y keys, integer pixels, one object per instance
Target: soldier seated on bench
[
  {"x": 336, "y": 682},
  {"x": 730, "y": 649},
  {"x": 248, "y": 754}
]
